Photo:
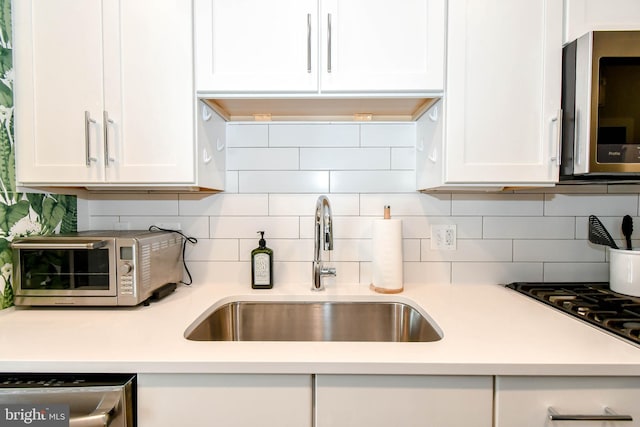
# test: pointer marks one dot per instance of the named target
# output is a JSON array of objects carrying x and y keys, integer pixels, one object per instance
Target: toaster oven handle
[{"x": 40, "y": 244}]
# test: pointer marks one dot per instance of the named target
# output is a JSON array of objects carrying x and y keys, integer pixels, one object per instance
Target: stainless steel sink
[{"x": 314, "y": 321}]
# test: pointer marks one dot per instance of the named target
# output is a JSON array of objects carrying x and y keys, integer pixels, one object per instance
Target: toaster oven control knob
[{"x": 127, "y": 268}]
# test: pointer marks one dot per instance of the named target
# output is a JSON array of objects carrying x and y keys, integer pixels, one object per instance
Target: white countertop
[{"x": 488, "y": 330}]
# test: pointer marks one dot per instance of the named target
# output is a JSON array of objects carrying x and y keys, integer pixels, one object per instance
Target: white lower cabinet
[
  {"x": 239, "y": 400},
  {"x": 396, "y": 400},
  {"x": 225, "y": 400},
  {"x": 525, "y": 401}
]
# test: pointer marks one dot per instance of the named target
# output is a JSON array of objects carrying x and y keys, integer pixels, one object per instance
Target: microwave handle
[{"x": 66, "y": 245}]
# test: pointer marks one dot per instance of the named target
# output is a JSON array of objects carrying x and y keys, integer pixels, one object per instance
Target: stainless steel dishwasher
[{"x": 75, "y": 400}]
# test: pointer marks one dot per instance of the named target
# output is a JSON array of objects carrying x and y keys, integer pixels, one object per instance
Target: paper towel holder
[{"x": 387, "y": 265}]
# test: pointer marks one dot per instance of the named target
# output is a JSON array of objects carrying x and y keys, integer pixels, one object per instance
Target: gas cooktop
[{"x": 593, "y": 303}]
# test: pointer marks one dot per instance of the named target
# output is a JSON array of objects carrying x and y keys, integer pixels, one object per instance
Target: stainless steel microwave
[
  {"x": 601, "y": 105},
  {"x": 96, "y": 268}
]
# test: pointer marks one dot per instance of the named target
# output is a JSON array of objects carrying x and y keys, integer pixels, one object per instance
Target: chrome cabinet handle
[
  {"x": 87, "y": 131},
  {"x": 558, "y": 121},
  {"x": 328, "y": 43},
  {"x": 609, "y": 415},
  {"x": 308, "y": 42},
  {"x": 107, "y": 122}
]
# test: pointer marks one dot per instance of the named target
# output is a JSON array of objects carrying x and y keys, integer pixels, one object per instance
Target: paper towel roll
[{"x": 386, "y": 268}]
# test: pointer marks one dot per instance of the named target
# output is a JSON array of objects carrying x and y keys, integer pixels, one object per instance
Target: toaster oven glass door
[{"x": 66, "y": 271}]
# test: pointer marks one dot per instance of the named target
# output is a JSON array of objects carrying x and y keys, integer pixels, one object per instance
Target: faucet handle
[{"x": 328, "y": 271}]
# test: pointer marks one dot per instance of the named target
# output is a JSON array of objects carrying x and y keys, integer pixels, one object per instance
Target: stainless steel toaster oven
[{"x": 95, "y": 268}]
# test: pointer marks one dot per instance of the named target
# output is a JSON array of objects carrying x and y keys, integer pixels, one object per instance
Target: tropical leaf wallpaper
[{"x": 21, "y": 214}]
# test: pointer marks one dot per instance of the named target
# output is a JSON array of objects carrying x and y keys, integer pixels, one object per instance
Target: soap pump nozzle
[{"x": 262, "y": 243}]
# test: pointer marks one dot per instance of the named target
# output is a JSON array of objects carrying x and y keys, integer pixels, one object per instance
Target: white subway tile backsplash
[
  {"x": 305, "y": 204},
  {"x": 314, "y": 135},
  {"x": 406, "y": 204},
  {"x": 247, "y": 135},
  {"x": 228, "y": 227},
  {"x": 133, "y": 204},
  {"x": 577, "y": 271},
  {"x": 221, "y": 272},
  {"x": 224, "y": 204},
  {"x": 345, "y": 158},
  {"x": 496, "y": 272},
  {"x": 426, "y": 272},
  {"x": 213, "y": 250},
  {"x": 557, "y": 251},
  {"x": 411, "y": 249},
  {"x": 471, "y": 250},
  {"x": 283, "y": 182},
  {"x": 348, "y": 250},
  {"x": 101, "y": 223},
  {"x": 263, "y": 159},
  {"x": 388, "y": 135},
  {"x": 528, "y": 227},
  {"x": 372, "y": 181},
  {"x": 497, "y": 204},
  {"x": 587, "y": 204},
  {"x": 232, "y": 182},
  {"x": 403, "y": 158},
  {"x": 276, "y": 171}
]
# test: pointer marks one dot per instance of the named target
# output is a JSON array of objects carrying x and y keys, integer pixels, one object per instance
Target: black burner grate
[{"x": 594, "y": 303}]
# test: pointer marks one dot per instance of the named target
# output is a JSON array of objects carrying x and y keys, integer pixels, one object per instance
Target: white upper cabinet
[
  {"x": 311, "y": 46},
  {"x": 256, "y": 46},
  {"x": 105, "y": 93},
  {"x": 582, "y": 16},
  {"x": 382, "y": 45},
  {"x": 498, "y": 124}
]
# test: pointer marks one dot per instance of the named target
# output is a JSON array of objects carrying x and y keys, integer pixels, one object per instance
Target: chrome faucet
[{"x": 324, "y": 231}]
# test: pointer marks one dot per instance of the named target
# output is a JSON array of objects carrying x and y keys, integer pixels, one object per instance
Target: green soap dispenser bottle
[{"x": 262, "y": 265}]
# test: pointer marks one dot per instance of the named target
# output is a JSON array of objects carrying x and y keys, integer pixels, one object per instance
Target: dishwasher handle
[{"x": 107, "y": 408}]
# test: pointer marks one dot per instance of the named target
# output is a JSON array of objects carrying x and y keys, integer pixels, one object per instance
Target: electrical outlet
[{"x": 443, "y": 237}]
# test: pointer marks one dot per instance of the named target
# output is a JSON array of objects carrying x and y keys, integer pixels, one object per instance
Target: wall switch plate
[{"x": 443, "y": 237}]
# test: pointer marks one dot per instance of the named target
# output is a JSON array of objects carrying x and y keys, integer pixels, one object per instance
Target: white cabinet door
[
  {"x": 582, "y": 16},
  {"x": 382, "y": 401},
  {"x": 149, "y": 92},
  {"x": 202, "y": 400},
  {"x": 58, "y": 65},
  {"x": 105, "y": 93},
  {"x": 382, "y": 45},
  {"x": 283, "y": 46},
  {"x": 503, "y": 92},
  {"x": 524, "y": 401},
  {"x": 256, "y": 46}
]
